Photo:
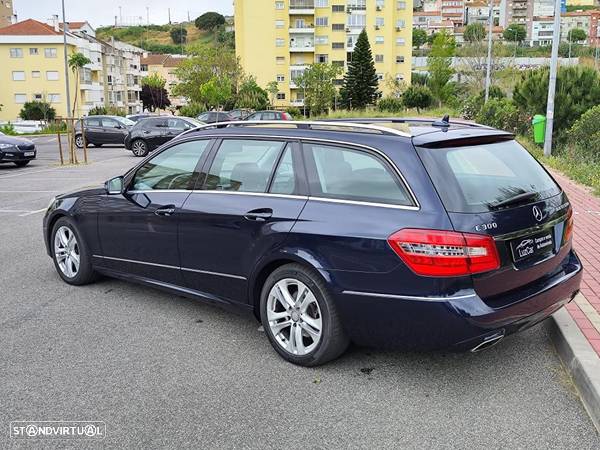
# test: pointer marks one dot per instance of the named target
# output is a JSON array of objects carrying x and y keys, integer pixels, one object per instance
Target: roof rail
[
  {"x": 310, "y": 125},
  {"x": 409, "y": 120}
]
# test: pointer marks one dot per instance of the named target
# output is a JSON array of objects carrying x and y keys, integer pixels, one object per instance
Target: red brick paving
[{"x": 586, "y": 240}]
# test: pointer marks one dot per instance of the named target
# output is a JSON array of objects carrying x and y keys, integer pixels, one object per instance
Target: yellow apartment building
[
  {"x": 277, "y": 39},
  {"x": 165, "y": 66}
]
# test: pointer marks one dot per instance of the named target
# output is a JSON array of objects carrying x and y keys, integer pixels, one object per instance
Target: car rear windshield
[{"x": 478, "y": 178}]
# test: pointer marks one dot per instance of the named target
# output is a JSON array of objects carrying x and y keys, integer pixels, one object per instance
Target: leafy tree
[
  {"x": 394, "y": 85},
  {"x": 500, "y": 113},
  {"x": 417, "y": 97},
  {"x": 474, "y": 32},
  {"x": 577, "y": 90},
  {"x": 76, "y": 62},
  {"x": 216, "y": 92},
  {"x": 431, "y": 38},
  {"x": 390, "y": 104},
  {"x": 179, "y": 35},
  {"x": 203, "y": 64},
  {"x": 439, "y": 64},
  {"x": 419, "y": 38},
  {"x": 154, "y": 95},
  {"x": 97, "y": 111},
  {"x": 576, "y": 35},
  {"x": 191, "y": 110},
  {"x": 37, "y": 110},
  {"x": 360, "y": 86},
  {"x": 515, "y": 33},
  {"x": 272, "y": 89},
  {"x": 209, "y": 21},
  {"x": 226, "y": 38},
  {"x": 419, "y": 78},
  {"x": 319, "y": 87},
  {"x": 250, "y": 95},
  {"x": 585, "y": 135}
]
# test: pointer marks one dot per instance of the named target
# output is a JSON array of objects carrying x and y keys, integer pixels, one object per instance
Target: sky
[{"x": 103, "y": 12}]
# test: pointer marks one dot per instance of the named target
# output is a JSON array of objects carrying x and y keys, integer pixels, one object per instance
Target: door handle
[
  {"x": 259, "y": 215},
  {"x": 165, "y": 211}
]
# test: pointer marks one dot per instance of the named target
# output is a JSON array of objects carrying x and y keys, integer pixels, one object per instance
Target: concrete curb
[{"x": 580, "y": 359}]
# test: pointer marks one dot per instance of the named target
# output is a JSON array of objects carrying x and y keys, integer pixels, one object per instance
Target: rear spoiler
[{"x": 460, "y": 137}]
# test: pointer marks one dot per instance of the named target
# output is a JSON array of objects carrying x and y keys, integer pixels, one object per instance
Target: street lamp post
[
  {"x": 488, "y": 72},
  {"x": 552, "y": 80},
  {"x": 66, "y": 56}
]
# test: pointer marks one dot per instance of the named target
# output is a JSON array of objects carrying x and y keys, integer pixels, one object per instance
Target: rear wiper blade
[{"x": 519, "y": 198}]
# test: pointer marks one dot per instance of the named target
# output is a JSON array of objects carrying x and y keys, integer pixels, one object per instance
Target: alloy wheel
[
  {"x": 294, "y": 317},
  {"x": 66, "y": 252},
  {"x": 139, "y": 148},
  {"x": 79, "y": 141}
]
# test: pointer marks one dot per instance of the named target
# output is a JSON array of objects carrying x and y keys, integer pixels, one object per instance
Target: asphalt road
[{"x": 165, "y": 371}]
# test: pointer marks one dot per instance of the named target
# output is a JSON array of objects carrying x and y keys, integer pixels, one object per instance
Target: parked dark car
[
  {"x": 239, "y": 114},
  {"x": 16, "y": 150},
  {"x": 214, "y": 117},
  {"x": 148, "y": 134},
  {"x": 442, "y": 235},
  {"x": 138, "y": 117},
  {"x": 101, "y": 130},
  {"x": 269, "y": 115}
]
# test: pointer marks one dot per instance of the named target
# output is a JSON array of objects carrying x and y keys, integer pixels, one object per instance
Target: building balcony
[
  {"x": 307, "y": 47},
  {"x": 302, "y": 7},
  {"x": 309, "y": 29},
  {"x": 297, "y": 102}
]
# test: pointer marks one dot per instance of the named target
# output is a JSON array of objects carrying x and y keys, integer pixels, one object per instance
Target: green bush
[
  {"x": 37, "y": 111},
  {"x": 584, "y": 136},
  {"x": 54, "y": 127},
  {"x": 500, "y": 113},
  {"x": 97, "y": 111},
  {"x": 417, "y": 97},
  {"x": 191, "y": 110},
  {"x": 471, "y": 107},
  {"x": 293, "y": 111},
  {"x": 8, "y": 129},
  {"x": 390, "y": 104}
]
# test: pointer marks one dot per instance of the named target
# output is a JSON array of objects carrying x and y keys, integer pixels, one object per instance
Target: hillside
[{"x": 157, "y": 38}]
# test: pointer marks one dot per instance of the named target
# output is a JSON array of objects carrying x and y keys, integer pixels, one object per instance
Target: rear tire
[
  {"x": 306, "y": 328},
  {"x": 71, "y": 256},
  {"x": 139, "y": 148},
  {"x": 21, "y": 163},
  {"x": 79, "y": 141}
]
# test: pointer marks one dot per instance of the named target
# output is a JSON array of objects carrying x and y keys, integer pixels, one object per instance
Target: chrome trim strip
[
  {"x": 143, "y": 191},
  {"x": 133, "y": 261},
  {"x": 237, "y": 277},
  {"x": 408, "y": 297},
  {"x": 358, "y": 202},
  {"x": 255, "y": 194},
  {"x": 535, "y": 228}
]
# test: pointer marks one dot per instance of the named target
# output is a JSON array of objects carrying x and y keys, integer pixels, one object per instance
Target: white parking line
[
  {"x": 28, "y": 192},
  {"x": 30, "y": 213}
]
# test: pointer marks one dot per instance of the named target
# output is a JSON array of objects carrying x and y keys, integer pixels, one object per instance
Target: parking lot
[{"x": 165, "y": 371}]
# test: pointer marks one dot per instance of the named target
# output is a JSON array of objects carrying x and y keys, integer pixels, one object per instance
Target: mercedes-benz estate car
[
  {"x": 388, "y": 233},
  {"x": 16, "y": 150}
]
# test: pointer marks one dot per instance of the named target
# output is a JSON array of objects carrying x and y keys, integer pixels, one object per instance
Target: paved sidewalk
[{"x": 585, "y": 309}]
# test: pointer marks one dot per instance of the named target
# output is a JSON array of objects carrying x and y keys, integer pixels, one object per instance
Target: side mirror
[{"x": 114, "y": 186}]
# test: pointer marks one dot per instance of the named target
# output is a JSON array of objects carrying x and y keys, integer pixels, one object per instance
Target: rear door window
[
  {"x": 350, "y": 174},
  {"x": 92, "y": 122},
  {"x": 476, "y": 178},
  {"x": 243, "y": 165}
]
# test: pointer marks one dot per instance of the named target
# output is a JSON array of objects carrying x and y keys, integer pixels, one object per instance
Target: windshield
[
  {"x": 125, "y": 121},
  {"x": 194, "y": 122},
  {"x": 478, "y": 178}
]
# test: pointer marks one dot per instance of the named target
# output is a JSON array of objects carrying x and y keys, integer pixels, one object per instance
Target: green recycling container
[{"x": 539, "y": 128}]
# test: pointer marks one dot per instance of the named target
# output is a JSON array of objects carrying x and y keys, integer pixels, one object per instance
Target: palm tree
[{"x": 76, "y": 62}]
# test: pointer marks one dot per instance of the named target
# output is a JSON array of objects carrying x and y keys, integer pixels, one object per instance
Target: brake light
[
  {"x": 285, "y": 116},
  {"x": 445, "y": 253},
  {"x": 568, "y": 231}
]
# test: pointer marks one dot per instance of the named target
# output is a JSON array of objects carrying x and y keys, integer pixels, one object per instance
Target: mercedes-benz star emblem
[{"x": 538, "y": 214}]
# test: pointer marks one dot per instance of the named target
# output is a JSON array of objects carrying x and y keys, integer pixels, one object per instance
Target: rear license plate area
[{"x": 532, "y": 246}]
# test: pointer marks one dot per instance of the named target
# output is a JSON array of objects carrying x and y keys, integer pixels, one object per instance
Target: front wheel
[
  {"x": 300, "y": 318},
  {"x": 71, "y": 256},
  {"x": 139, "y": 148},
  {"x": 79, "y": 141}
]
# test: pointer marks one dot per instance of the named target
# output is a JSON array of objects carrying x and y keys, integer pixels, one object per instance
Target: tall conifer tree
[{"x": 361, "y": 85}]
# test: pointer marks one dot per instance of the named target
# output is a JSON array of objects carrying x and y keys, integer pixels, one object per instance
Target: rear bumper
[{"x": 460, "y": 322}]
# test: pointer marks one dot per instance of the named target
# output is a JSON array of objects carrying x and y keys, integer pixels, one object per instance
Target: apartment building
[
  {"x": 478, "y": 11},
  {"x": 165, "y": 65},
  {"x": 6, "y": 13},
  {"x": 31, "y": 54},
  {"x": 589, "y": 21},
  {"x": 278, "y": 40}
]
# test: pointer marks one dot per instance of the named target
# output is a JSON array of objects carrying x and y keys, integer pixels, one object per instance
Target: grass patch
[{"x": 582, "y": 171}]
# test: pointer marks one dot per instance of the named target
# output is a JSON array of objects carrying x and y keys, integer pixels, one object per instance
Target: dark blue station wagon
[{"x": 390, "y": 233}]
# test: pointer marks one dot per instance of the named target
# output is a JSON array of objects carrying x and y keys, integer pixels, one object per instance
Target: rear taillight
[
  {"x": 286, "y": 116},
  {"x": 445, "y": 253},
  {"x": 568, "y": 231}
]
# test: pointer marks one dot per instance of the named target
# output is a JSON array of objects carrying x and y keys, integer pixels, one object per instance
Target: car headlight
[
  {"x": 6, "y": 146},
  {"x": 51, "y": 204}
]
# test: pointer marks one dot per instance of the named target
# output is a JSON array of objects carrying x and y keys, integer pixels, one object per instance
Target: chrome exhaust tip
[{"x": 488, "y": 342}]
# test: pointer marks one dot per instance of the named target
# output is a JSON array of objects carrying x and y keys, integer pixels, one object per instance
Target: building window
[
  {"x": 357, "y": 20},
  {"x": 38, "y": 97},
  {"x": 280, "y": 78},
  {"x": 20, "y": 98},
  {"x": 54, "y": 98},
  {"x": 16, "y": 52},
  {"x": 50, "y": 52},
  {"x": 378, "y": 58},
  {"x": 281, "y": 96},
  {"x": 321, "y": 3},
  {"x": 379, "y": 21},
  {"x": 400, "y": 41},
  {"x": 379, "y": 4},
  {"x": 401, "y": 5},
  {"x": 34, "y": 51},
  {"x": 338, "y": 27},
  {"x": 52, "y": 75},
  {"x": 279, "y": 24},
  {"x": 379, "y": 39},
  {"x": 36, "y": 74},
  {"x": 380, "y": 76},
  {"x": 399, "y": 59},
  {"x": 280, "y": 60},
  {"x": 400, "y": 23},
  {"x": 18, "y": 75},
  {"x": 279, "y": 42},
  {"x": 322, "y": 21},
  {"x": 338, "y": 8},
  {"x": 337, "y": 45},
  {"x": 320, "y": 40},
  {"x": 279, "y": 5},
  {"x": 322, "y": 59}
]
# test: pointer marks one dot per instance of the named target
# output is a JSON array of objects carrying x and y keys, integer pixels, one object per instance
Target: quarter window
[
  {"x": 348, "y": 174},
  {"x": 284, "y": 180},
  {"x": 174, "y": 168},
  {"x": 243, "y": 165}
]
